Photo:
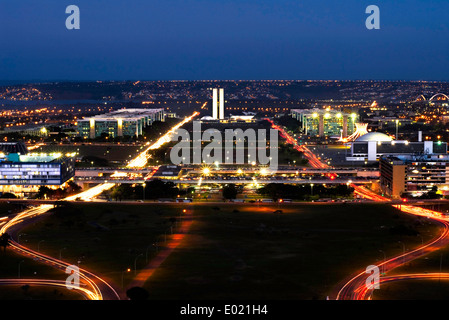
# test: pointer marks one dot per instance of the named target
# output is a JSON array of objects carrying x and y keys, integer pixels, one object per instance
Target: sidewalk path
[{"x": 170, "y": 245}]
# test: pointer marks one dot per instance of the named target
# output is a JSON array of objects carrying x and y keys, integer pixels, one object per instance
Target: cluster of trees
[
  {"x": 230, "y": 191},
  {"x": 277, "y": 191},
  {"x": 287, "y": 154},
  {"x": 4, "y": 240},
  {"x": 431, "y": 194},
  {"x": 153, "y": 132},
  {"x": 8, "y": 195},
  {"x": 154, "y": 189},
  {"x": 48, "y": 193},
  {"x": 289, "y": 123}
]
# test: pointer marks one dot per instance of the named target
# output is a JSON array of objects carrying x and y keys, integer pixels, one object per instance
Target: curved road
[
  {"x": 356, "y": 288},
  {"x": 96, "y": 288}
]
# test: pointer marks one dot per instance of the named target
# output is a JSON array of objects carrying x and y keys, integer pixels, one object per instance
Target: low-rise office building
[
  {"x": 325, "y": 123},
  {"x": 123, "y": 122},
  {"x": 24, "y": 174},
  {"x": 371, "y": 146},
  {"x": 414, "y": 174}
]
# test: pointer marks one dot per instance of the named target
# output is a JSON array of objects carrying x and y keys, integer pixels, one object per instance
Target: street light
[
  {"x": 19, "y": 267},
  {"x": 18, "y": 238},
  {"x": 385, "y": 258},
  {"x": 311, "y": 188},
  {"x": 146, "y": 253},
  {"x": 135, "y": 263},
  {"x": 143, "y": 185},
  {"x": 397, "y": 123},
  {"x": 38, "y": 244},
  {"x": 403, "y": 257},
  {"x": 123, "y": 273}
]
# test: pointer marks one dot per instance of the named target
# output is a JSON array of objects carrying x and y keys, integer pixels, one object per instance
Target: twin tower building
[{"x": 218, "y": 104}]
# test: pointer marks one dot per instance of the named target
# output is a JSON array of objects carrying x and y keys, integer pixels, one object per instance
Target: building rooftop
[
  {"x": 13, "y": 147},
  {"x": 126, "y": 114},
  {"x": 34, "y": 157},
  {"x": 374, "y": 136},
  {"x": 404, "y": 159}
]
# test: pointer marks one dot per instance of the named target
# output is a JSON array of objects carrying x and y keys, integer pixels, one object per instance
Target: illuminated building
[
  {"x": 32, "y": 130},
  {"x": 218, "y": 104},
  {"x": 167, "y": 172},
  {"x": 325, "y": 123},
  {"x": 25, "y": 173},
  {"x": 371, "y": 146},
  {"x": 13, "y": 147},
  {"x": 123, "y": 122},
  {"x": 413, "y": 174}
]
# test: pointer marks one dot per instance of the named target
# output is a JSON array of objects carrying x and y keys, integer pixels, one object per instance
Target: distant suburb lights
[{"x": 73, "y": 20}]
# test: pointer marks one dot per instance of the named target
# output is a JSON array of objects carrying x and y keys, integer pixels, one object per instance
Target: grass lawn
[
  {"x": 247, "y": 252},
  {"x": 37, "y": 293},
  {"x": 420, "y": 289},
  {"x": 413, "y": 290},
  {"x": 105, "y": 238},
  {"x": 233, "y": 251},
  {"x": 13, "y": 265}
]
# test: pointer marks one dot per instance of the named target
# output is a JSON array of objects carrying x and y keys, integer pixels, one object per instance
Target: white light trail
[{"x": 142, "y": 159}]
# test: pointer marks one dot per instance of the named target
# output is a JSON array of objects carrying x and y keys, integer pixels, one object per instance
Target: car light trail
[
  {"x": 142, "y": 159},
  {"x": 88, "y": 278},
  {"x": 313, "y": 160},
  {"x": 90, "y": 194},
  {"x": 44, "y": 282},
  {"x": 356, "y": 289}
]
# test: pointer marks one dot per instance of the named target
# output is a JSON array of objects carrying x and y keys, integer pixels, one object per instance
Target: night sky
[{"x": 226, "y": 39}]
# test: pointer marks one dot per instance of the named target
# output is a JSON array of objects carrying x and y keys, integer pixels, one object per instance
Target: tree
[
  {"x": 43, "y": 192},
  {"x": 8, "y": 195},
  {"x": 72, "y": 187},
  {"x": 230, "y": 191},
  {"x": 4, "y": 240},
  {"x": 157, "y": 188}
]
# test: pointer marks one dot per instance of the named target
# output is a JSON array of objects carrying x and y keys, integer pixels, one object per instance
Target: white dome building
[
  {"x": 374, "y": 136},
  {"x": 373, "y": 145}
]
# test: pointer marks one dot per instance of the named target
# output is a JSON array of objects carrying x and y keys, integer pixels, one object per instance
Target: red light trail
[
  {"x": 313, "y": 159},
  {"x": 356, "y": 289},
  {"x": 99, "y": 289}
]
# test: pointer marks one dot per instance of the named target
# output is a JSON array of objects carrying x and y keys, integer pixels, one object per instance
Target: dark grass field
[
  {"x": 13, "y": 266},
  {"x": 105, "y": 238},
  {"x": 299, "y": 254},
  {"x": 420, "y": 289},
  {"x": 233, "y": 251},
  {"x": 413, "y": 290},
  {"x": 113, "y": 153}
]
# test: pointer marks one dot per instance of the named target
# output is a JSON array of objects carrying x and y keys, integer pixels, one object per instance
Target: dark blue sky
[{"x": 224, "y": 39}]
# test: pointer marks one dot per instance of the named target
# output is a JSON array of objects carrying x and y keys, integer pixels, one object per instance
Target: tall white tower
[
  {"x": 222, "y": 104},
  {"x": 214, "y": 103}
]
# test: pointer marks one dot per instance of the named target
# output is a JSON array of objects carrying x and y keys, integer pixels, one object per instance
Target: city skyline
[{"x": 313, "y": 163}]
